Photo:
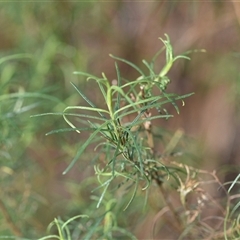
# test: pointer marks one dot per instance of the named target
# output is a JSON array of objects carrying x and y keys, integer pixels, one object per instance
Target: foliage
[
  {"x": 41, "y": 45},
  {"x": 128, "y": 162},
  {"x": 35, "y": 64}
]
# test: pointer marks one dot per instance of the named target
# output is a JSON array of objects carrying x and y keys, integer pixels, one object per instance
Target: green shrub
[{"x": 134, "y": 158}]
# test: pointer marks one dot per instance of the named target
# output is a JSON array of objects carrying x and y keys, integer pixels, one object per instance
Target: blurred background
[{"x": 42, "y": 44}]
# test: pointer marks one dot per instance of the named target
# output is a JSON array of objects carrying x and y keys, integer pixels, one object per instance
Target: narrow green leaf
[
  {"x": 234, "y": 210},
  {"x": 119, "y": 90},
  {"x": 154, "y": 104},
  {"x": 116, "y": 153},
  {"x": 85, "y": 108},
  {"x": 87, "y": 100},
  {"x": 181, "y": 57},
  {"x": 139, "y": 81},
  {"x": 48, "y": 237},
  {"x": 106, "y": 184},
  {"x": 85, "y": 74},
  {"x": 233, "y": 183},
  {"x": 83, "y": 147},
  {"x": 29, "y": 95},
  {"x": 99, "y": 110},
  {"x": 70, "y": 114},
  {"x": 138, "y": 122},
  {"x": 117, "y": 106},
  {"x": 73, "y": 218},
  {"x": 136, "y": 105},
  {"x": 62, "y": 130},
  {"x": 102, "y": 90},
  {"x": 151, "y": 71},
  {"x": 83, "y": 95},
  {"x": 15, "y": 56},
  {"x": 137, "y": 148},
  {"x": 133, "y": 195},
  {"x": 172, "y": 102},
  {"x": 129, "y": 63}
]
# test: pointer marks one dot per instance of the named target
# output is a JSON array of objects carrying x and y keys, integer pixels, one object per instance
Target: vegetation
[
  {"x": 128, "y": 161},
  {"x": 131, "y": 168}
]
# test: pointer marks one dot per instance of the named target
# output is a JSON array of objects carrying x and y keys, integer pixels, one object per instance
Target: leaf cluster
[{"x": 123, "y": 127}]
